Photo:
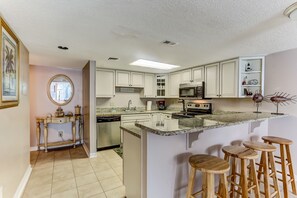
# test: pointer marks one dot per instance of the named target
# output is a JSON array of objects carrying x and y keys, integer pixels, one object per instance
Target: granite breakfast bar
[{"x": 156, "y": 154}]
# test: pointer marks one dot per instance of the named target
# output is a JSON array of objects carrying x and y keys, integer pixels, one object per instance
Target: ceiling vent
[
  {"x": 113, "y": 58},
  {"x": 167, "y": 42},
  {"x": 63, "y": 47}
]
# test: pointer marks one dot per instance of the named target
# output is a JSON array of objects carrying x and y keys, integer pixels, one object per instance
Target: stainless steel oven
[{"x": 191, "y": 90}]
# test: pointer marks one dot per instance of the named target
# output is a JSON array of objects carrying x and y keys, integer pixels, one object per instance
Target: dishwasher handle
[{"x": 109, "y": 119}]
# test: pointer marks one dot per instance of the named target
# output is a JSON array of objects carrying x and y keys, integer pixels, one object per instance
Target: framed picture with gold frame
[{"x": 10, "y": 70}]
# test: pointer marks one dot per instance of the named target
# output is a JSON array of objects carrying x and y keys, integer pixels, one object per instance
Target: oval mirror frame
[{"x": 49, "y": 94}]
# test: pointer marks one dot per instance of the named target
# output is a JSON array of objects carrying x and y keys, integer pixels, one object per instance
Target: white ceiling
[{"x": 206, "y": 31}]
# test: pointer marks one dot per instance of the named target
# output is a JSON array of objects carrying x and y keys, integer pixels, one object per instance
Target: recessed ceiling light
[
  {"x": 152, "y": 64},
  {"x": 62, "y": 48},
  {"x": 167, "y": 42},
  {"x": 113, "y": 58},
  {"x": 291, "y": 11}
]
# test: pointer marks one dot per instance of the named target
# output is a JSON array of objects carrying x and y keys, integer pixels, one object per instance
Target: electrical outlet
[{"x": 60, "y": 133}]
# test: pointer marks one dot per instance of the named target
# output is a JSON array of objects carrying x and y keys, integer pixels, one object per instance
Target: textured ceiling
[{"x": 205, "y": 31}]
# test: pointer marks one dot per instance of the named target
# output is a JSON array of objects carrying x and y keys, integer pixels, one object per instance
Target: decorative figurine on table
[
  {"x": 77, "y": 110},
  {"x": 59, "y": 112},
  {"x": 281, "y": 98},
  {"x": 258, "y": 98}
]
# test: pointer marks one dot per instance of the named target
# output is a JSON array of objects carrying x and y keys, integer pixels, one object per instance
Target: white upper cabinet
[
  {"x": 137, "y": 79},
  {"x": 221, "y": 79},
  {"x": 186, "y": 76},
  {"x": 229, "y": 78},
  {"x": 149, "y": 85},
  {"x": 198, "y": 74},
  {"x": 174, "y": 81},
  {"x": 105, "y": 83},
  {"x": 129, "y": 79},
  {"x": 212, "y": 81},
  {"x": 123, "y": 78}
]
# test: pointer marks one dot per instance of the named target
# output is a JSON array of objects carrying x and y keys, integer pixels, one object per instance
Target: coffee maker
[{"x": 161, "y": 104}]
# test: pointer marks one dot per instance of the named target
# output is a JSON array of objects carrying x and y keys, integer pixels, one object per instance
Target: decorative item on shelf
[
  {"x": 247, "y": 92},
  {"x": 253, "y": 82},
  {"x": 69, "y": 114},
  {"x": 59, "y": 112},
  {"x": 248, "y": 67},
  {"x": 49, "y": 115},
  {"x": 258, "y": 98},
  {"x": 244, "y": 80},
  {"x": 77, "y": 110},
  {"x": 281, "y": 98}
]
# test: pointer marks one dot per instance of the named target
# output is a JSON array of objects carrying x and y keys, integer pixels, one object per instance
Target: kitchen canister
[{"x": 149, "y": 105}]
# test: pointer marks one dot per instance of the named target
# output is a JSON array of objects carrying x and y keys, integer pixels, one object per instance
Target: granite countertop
[
  {"x": 204, "y": 122},
  {"x": 98, "y": 114}
]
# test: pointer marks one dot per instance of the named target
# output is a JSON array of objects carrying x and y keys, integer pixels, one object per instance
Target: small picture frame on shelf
[{"x": 248, "y": 67}]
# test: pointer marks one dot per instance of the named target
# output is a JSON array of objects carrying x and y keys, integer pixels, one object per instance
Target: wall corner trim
[
  {"x": 90, "y": 155},
  {"x": 20, "y": 190}
]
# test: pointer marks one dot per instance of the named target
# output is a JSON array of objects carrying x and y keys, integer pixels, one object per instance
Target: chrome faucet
[{"x": 129, "y": 104}]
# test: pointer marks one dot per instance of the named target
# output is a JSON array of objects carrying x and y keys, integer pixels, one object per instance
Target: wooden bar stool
[
  {"x": 247, "y": 182},
  {"x": 285, "y": 157},
  {"x": 267, "y": 164},
  {"x": 208, "y": 165}
]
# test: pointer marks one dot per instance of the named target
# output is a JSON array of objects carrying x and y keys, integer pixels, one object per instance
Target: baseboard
[
  {"x": 20, "y": 190},
  {"x": 90, "y": 155},
  {"x": 33, "y": 148},
  {"x": 93, "y": 155},
  {"x": 86, "y": 149}
]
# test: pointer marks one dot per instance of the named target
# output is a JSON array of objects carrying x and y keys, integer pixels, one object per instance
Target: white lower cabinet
[{"x": 132, "y": 165}]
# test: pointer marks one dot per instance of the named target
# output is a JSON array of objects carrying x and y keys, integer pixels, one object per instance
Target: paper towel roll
[{"x": 149, "y": 105}]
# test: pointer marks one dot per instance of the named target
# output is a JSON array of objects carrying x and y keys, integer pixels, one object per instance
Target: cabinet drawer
[
  {"x": 60, "y": 120},
  {"x": 136, "y": 117}
]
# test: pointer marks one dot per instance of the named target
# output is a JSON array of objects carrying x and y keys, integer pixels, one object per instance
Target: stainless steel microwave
[{"x": 193, "y": 90}]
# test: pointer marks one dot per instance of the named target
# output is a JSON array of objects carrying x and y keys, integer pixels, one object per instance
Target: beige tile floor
[{"x": 69, "y": 173}]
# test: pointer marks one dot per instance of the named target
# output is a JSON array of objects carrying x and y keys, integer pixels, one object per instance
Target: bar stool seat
[
  {"x": 277, "y": 140},
  {"x": 285, "y": 161},
  {"x": 247, "y": 182},
  {"x": 267, "y": 164},
  {"x": 208, "y": 165}
]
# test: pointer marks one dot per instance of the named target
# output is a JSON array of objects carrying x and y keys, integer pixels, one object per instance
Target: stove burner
[{"x": 194, "y": 109}]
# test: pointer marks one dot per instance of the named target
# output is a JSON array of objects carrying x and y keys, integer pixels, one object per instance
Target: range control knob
[{"x": 197, "y": 105}]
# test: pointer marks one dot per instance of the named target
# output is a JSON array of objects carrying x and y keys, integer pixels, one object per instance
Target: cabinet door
[
  {"x": 174, "y": 81},
  {"x": 137, "y": 79},
  {"x": 212, "y": 80},
  {"x": 122, "y": 78},
  {"x": 105, "y": 83},
  {"x": 186, "y": 76},
  {"x": 198, "y": 74},
  {"x": 229, "y": 78},
  {"x": 149, "y": 85}
]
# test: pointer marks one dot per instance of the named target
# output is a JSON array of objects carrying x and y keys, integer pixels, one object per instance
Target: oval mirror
[{"x": 60, "y": 89}]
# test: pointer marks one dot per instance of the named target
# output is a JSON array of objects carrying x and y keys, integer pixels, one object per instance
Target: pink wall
[{"x": 40, "y": 105}]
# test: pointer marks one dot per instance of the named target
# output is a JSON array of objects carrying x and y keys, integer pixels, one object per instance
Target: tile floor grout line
[
  {"x": 97, "y": 178},
  {"x": 74, "y": 175}
]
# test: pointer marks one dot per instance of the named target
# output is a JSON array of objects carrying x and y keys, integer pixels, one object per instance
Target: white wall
[
  {"x": 40, "y": 104},
  {"x": 15, "y": 134}
]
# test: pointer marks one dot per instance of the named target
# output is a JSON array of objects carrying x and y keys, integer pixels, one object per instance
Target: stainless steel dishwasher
[{"x": 108, "y": 132}]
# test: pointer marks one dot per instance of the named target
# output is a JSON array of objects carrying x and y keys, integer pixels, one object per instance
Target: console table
[{"x": 57, "y": 120}]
